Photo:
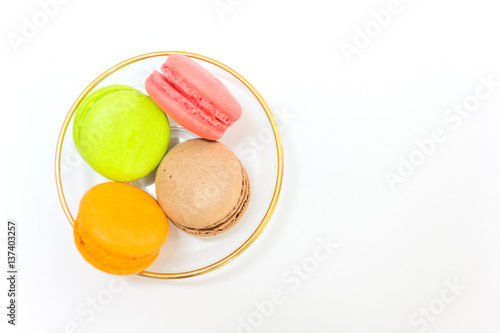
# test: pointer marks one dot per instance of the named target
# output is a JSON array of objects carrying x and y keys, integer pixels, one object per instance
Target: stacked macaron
[
  {"x": 120, "y": 228},
  {"x": 202, "y": 187},
  {"x": 193, "y": 97},
  {"x": 121, "y": 133},
  {"x": 124, "y": 135}
]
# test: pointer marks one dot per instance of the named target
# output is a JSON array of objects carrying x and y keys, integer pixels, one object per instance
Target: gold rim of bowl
[{"x": 279, "y": 150}]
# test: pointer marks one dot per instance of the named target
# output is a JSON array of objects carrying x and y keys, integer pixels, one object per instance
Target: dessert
[
  {"x": 119, "y": 228},
  {"x": 202, "y": 187},
  {"x": 124, "y": 135},
  {"x": 121, "y": 133},
  {"x": 193, "y": 97}
]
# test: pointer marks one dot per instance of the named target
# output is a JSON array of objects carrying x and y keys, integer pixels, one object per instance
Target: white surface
[{"x": 398, "y": 251}]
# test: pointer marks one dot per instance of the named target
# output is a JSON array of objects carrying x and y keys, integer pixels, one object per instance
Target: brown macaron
[{"x": 202, "y": 187}]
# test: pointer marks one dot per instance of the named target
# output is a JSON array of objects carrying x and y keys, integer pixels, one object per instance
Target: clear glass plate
[{"x": 254, "y": 138}]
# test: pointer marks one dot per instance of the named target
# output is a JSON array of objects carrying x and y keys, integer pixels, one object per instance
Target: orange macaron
[{"x": 120, "y": 228}]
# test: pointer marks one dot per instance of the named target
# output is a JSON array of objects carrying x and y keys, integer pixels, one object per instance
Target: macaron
[
  {"x": 121, "y": 132},
  {"x": 193, "y": 97},
  {"x": 202, "y": 187},
  {"x": 119, "y": 228}
]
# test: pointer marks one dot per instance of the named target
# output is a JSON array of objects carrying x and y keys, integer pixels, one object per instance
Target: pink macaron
[{"x": 193, "y": 97}]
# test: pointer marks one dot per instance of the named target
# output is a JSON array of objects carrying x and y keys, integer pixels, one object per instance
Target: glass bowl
[{"x": 255, "y": 139}]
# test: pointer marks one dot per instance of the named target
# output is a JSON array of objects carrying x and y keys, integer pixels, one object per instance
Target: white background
[{"x": 350, "y": 122}]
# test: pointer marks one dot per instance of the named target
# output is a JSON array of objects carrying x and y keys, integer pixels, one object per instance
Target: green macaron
[{"x": 121, "y": 132}]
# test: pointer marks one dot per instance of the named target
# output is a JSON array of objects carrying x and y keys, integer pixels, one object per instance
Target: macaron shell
[
  {"x": 200, "y": 85},
  {"x": 86, "y": 105},
  {"x": 198, "y": 183},
  {"x": 193, "y": 97},
  {"x": 202, "y": 187},
  {"x": 181, "y": 109},
  {"x": 122, "y": 219},
  {"x": 124, "y": 135}
]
